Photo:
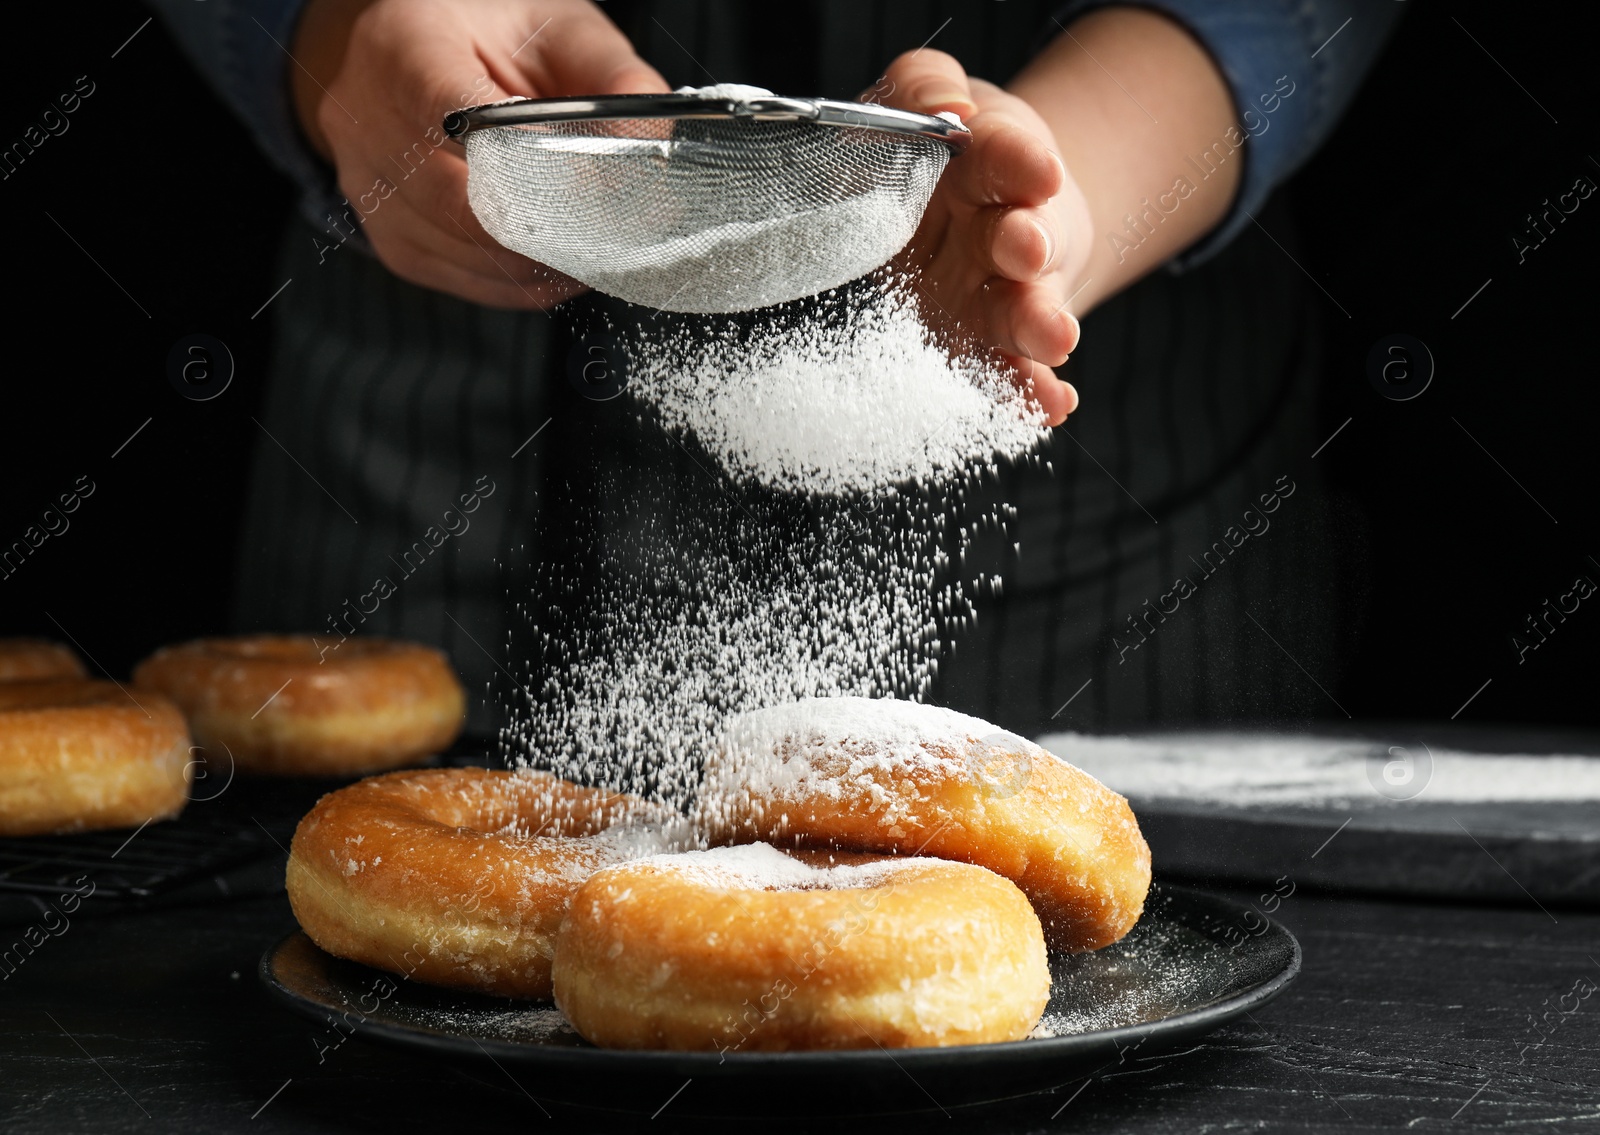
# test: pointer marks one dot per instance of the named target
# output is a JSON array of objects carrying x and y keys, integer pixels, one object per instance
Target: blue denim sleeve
[
  {"x": 1292, "y": 65},
  {"x": 241, "y": 47}
]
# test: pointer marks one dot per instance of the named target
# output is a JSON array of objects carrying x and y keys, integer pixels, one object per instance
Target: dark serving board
[
  {"x": 1193, "y": 963},
  {"x": 1377, "y": 837}
]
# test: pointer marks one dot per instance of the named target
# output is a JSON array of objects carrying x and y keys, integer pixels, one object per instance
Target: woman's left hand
[{"x": 1007, "y": 232}]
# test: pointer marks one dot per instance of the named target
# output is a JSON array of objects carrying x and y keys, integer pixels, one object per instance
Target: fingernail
[
  {"x": 1049, "y": 237},
  {"x": 947, "y": 96}
]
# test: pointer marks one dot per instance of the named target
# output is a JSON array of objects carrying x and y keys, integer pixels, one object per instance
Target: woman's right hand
[{"x": 372, "y": 81}]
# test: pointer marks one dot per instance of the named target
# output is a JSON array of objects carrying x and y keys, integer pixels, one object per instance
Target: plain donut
[
  {"x": 76, "y": 755},
  {"x": 287, "y": 704},
  {"x": 36, "y": 658},
  {"x": 749, "y": 949},
  {"x": 900, "y": 777},
  {"x": 456, "y": 877}
]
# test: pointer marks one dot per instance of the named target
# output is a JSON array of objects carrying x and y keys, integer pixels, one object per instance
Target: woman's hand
[
  {"x": 372, "y": 81},
  {"x": 1007, "y": 233}
]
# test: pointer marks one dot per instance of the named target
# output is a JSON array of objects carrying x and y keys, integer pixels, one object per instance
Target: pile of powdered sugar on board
[{"x": 1265, "y": 770}]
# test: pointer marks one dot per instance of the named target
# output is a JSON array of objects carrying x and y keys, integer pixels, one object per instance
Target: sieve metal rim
[{"x": 822, "y": 112}]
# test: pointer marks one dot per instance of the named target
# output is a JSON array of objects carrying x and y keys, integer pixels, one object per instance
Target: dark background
[{"x": 1403, "y": 216}]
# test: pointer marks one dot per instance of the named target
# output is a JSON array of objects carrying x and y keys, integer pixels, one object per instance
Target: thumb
[
  {"x": 635, "y": 77},
  {"x": 589, "y": 55},
  {"x": 929, "y": 81}
]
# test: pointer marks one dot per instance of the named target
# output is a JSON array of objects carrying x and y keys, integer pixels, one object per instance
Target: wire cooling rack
[{"x": 229, "y": 842}]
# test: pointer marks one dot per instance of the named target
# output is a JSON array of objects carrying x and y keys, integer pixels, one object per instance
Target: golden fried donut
[
  {"x": 749, "y": 949},
  {"x": 457, "y": 877},
  {"x": 76, "y": 755},
  {"x": 37, "y": 658},
  {"x": 896, "y": 776},
  {"x": 288, "y": 704}
]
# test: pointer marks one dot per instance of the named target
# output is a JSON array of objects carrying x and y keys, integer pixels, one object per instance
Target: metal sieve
[{"x": 703, "y": 202}]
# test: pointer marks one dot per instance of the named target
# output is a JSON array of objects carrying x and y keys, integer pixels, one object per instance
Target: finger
[
  {"x": 927, "y": 81},
  {"x": 584, "y": 53},
  {"x": 1027, "y": 320},
  {"x": 432, "y": 207},
  {"x": 1018, "y": 244},
  {"x": 436, "y": 191},
  {"x": 451, "y": 237},
  {"x": 470, "y": 272},
  {"x": 436, "y": 65},
  {"x": 1005, "y": 165},
  {"x": 399, "y": 234},
  {"x": 1054, "y": 397},
  {"x": 634, "y": 78},
  {"x": 413, "y": 260}
]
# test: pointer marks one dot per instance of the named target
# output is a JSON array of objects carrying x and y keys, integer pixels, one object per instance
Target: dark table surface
[{"x": 1409, "y": 1015}]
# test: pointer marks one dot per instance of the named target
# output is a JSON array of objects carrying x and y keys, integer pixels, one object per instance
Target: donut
[
  {"x": 457, "y": 877},
  {"x": 287, "y": 704},
  {"x": 896, "y": 776},
  {"x": 37, "y": 658},
  {"x": 76, "y": 755},
  {"x": 752, "y": 950}
]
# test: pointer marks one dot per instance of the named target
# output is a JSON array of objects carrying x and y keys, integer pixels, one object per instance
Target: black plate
[{"x": 1193, "y": 963}]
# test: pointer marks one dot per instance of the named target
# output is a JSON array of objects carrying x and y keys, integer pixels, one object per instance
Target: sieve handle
[{"x": 823, "y": 112}]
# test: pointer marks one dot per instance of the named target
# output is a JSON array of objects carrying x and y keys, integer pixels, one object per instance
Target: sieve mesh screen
[{"x": 702, "y": 214}]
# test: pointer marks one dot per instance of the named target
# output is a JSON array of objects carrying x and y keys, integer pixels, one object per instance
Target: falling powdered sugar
[
  {"x": 686, "y": 601},
  {"x": 694, "y": 616},
  {"x": 786, "y": 515},
  {"x": 850, "y": 400}
]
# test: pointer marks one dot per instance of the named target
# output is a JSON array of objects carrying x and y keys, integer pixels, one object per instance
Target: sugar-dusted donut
[
  {"x": 896, "y": 776},
  {"x": 749, "y": 949},
  {"x": 291, "y": 705},
  {"x": 77, "y": 754},
  {"x": 457, "y": 877},
  {"x": 37, "y": 658}
]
